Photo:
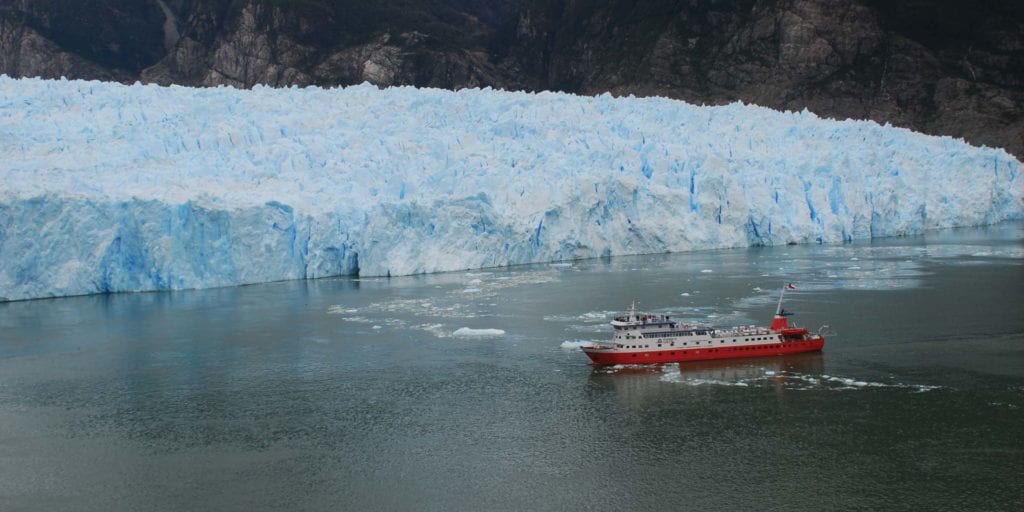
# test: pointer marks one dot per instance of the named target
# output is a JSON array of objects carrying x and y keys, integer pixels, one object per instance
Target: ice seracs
[{"x": 106, "y": 187}]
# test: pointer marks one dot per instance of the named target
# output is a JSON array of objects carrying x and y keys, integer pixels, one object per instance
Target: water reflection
[
  {"x": 634, "y": 383},
  {"x": 359, "y": 383}
]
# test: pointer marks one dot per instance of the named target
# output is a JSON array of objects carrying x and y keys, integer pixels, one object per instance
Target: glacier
[{"x": 107, "y": 187}]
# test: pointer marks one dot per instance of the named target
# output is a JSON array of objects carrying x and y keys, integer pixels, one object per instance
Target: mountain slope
[{"x": 942, "y": 67}]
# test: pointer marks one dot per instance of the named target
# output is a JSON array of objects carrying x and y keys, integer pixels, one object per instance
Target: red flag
[{"x": 791, "y": 286}]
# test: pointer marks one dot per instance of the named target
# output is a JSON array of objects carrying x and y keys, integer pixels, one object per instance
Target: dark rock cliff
[{"x": 944, "y": 67}]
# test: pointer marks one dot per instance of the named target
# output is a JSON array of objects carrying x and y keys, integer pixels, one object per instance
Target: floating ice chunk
[
  {"x": 466, "y": 332},
  {"x": 357, "y": 319},
  {"x": 435, "y": 329},
  {"x": 576, "y": 344},
  {"x": 338, "y": 310}
]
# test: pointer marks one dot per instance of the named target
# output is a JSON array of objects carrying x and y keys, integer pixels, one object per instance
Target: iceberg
[
  {"x": 467, "y": 332},
  {"x": 107, "y": 187}
]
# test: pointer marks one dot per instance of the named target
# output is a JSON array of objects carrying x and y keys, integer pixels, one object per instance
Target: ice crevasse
[{"x": 107, "y": 187}]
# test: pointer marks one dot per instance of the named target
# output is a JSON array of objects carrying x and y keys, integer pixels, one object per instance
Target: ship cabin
[{"x": 644, "y": 325}]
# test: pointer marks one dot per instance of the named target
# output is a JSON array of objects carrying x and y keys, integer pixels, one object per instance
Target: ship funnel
[{"x": 779, "y": 322}]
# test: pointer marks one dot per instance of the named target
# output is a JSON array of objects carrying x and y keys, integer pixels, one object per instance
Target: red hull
[{"x": 603, "y": 357}]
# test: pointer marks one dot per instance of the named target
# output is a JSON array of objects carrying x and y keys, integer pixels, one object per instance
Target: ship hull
[{"x": 600, "y": 356}]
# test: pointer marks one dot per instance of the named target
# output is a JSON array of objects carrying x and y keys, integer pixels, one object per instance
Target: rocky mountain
[{"x": 949, "y": 67}]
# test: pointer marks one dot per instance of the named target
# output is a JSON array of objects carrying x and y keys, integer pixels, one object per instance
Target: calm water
[{"x": 344, "y": 394}]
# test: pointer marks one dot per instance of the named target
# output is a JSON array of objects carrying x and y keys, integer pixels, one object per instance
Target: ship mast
[
  {"x": 778, "y": 310},
  {"x": 780, "y": 322}
]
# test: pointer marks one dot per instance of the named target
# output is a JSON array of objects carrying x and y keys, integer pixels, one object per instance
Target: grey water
[{"x": 362, "y": 394}]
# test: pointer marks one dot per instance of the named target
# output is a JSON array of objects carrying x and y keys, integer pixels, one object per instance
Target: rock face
[{"x": 936, "y": 66}]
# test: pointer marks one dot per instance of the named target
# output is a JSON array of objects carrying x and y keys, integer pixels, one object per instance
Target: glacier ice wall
[{"x": 106, "y": 187}]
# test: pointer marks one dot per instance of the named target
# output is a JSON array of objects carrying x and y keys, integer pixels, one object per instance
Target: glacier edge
[{"x": 112, "y": 188}]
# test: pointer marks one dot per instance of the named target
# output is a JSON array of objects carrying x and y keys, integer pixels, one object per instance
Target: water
[{"x": 348, "y": 394}]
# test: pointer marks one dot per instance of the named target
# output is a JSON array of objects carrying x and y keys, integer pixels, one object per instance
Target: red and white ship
[{"x": 642, "y": 338}]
